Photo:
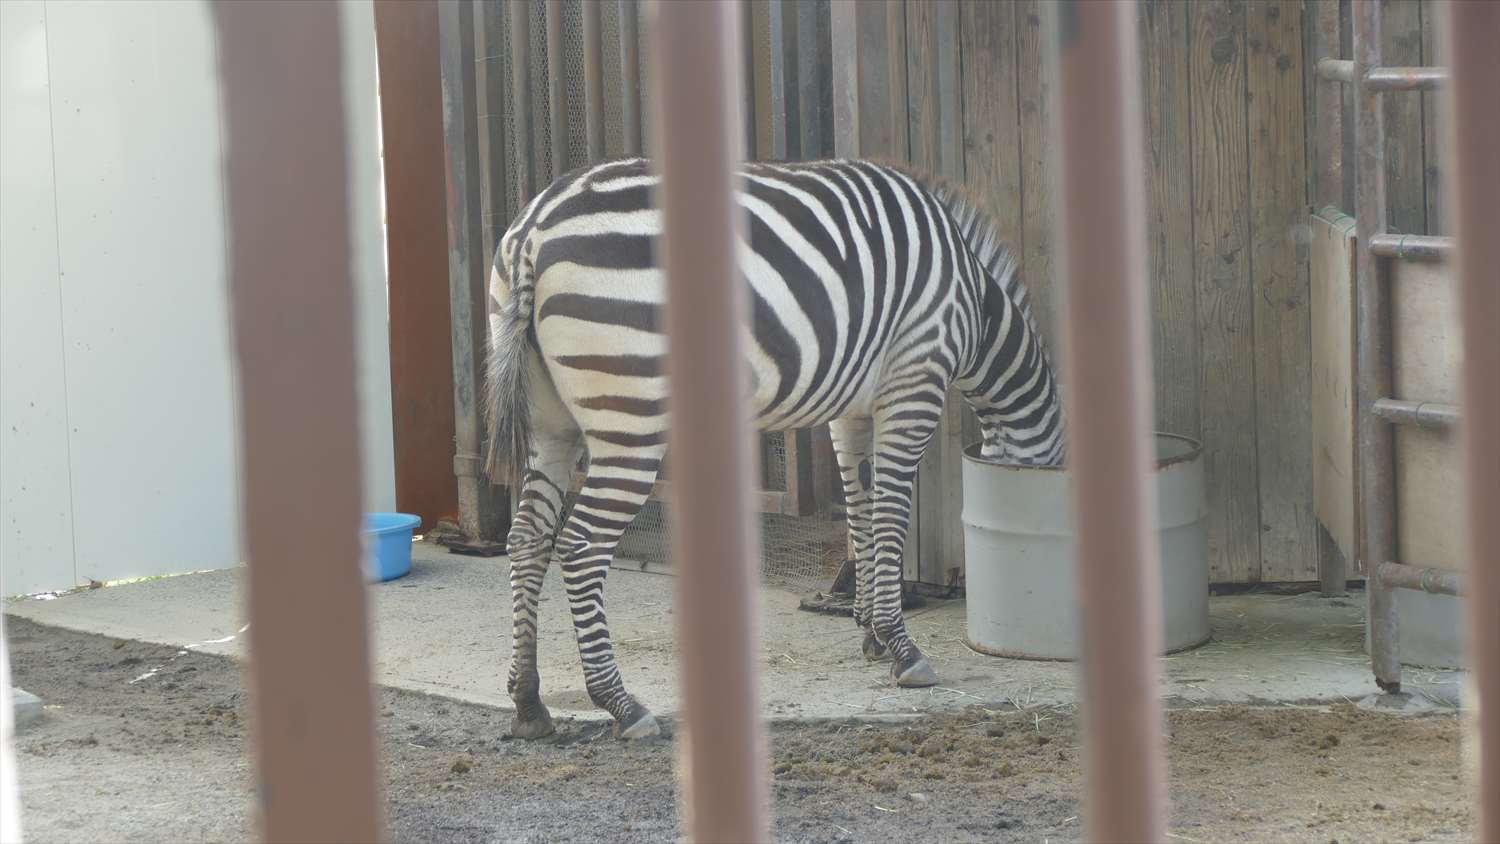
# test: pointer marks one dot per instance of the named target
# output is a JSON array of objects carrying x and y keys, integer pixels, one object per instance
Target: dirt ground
[{"x": 144, "y": 743}]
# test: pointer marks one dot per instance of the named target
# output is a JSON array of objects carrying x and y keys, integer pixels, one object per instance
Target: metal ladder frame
[{"x": 1377, "y": 409}]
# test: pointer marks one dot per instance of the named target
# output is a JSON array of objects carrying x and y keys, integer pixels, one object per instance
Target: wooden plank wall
[{"x": 1228, "y": 87}]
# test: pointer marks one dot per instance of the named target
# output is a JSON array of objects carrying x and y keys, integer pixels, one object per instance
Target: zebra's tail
[{"x": 506, "y": 398}]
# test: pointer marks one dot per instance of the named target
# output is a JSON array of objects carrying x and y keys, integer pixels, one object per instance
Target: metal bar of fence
[
  {"x": 697, "y": 66},
  {"x": 1421, "y": 414},
  {"x": 1473, "y": 32},
  {"x": 1407, "y": 78},
  {"x": 1412, "y": 247},
  {"x": 292, "y": 296},
  {"x": 1436, "y": 581},
  {"x": 557, "y": 90},
  {"x": 481, "y": 512},
  {"x": 520, "y": 92},
  {"x": 593, "y": 79},
  {"x": 1384, "y": 78},
  {"x": 1108, "y": 362},
  {"x": 1377, "y": 480},
  {"x": 630, "y": 76}
]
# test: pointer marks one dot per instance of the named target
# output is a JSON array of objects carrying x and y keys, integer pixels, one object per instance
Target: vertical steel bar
[
  {"x": 481, "y": 512},
  {"x": 1377, "y": 474},
  {"x": 1108, "y": 362},
  {"x": 520, "y": 97},
  {"x": 292, "y": 297},
  {"x": 630, "y": 76},
  {"x": 808, "y": 82},
  {"x": 1473, "y": 31},
  {"x": 557, "y": 90},
  {"x": 593, "y": 79},
  {"x": 696, "y": 87},
  {"x": 1328, "y": 190},
  {"x": 784, "y": 141},
  {"x": 844, "y": 26}
]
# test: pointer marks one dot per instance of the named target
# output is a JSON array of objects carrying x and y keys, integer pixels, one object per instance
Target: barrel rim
[{"x": 1195, "y": 450}]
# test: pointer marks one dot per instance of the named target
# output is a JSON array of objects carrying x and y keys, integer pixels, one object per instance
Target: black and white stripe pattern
[{"x": 871, "y": 293}]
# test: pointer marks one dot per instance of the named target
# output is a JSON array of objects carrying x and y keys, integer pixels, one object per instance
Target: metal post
[
  {"x": 696, "y": 82},
  {"x": 481, "y": 511},
  {"x": 593, "y": 80},
  {"x": 630, "y": 77},
  {"x": 1108, "y": 361},
  {"x": 1377, "y": 460},
  {"x": 292, "y": 305},
  {"x": 1328, "y": 190},
  {"x": 1473, "y": 32},
  {"x": 557, "y": 89},
  {"x": 520, "y": 92}
]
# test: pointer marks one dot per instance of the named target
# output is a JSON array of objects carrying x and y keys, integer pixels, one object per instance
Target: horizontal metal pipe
[
  {"x": 1385, "y": 78},
  {"x": 1422, "y": 414},
  {"x": 1436, "y": 581},
  {"x": 1338, "y": 70},
  {"x": 1406, "y": 78},
  {"x": 1412, "y": 247}
]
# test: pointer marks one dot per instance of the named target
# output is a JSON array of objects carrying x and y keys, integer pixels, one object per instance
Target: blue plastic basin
[{"x": 388, "y": 538}]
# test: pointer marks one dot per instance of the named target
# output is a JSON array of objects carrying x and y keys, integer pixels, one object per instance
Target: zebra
[{"x": 873, "y": 290}]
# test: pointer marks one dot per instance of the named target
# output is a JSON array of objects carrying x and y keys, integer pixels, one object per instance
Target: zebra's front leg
[
  {"x": 853, "y": 443},
  {"x": 613, "y": 494},
  {"x": 529, "y": 545},
  {"x": 898, "y": 450}
]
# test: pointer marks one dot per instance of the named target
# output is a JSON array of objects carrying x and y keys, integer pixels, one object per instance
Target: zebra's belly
[{"x": 604, "y": 342}]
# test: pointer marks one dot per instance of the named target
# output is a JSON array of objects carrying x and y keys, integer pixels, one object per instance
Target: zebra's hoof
[
  {"x": 915, "y": 676},
  {"x": 873, "y": 650},
  {"x": 644, "y": 727},
  {"x": 536, "y": 724}
]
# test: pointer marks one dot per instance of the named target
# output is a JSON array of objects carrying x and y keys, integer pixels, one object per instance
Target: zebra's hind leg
[
  {"x": 618, "y": 484},
  {"x": 853, "y": 443},
  {"x": 529, "y": 546},
  {"x": 898, "y": 450}
]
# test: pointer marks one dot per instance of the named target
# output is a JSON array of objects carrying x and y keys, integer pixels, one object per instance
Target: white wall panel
[
  {"x": 135, "y": 111},
  {"x": 36, "y": 517}
]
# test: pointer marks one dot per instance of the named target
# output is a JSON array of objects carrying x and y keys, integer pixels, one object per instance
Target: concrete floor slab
[{"x": 445, "y": 629}]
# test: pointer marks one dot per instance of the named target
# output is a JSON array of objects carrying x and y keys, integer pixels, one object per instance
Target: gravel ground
[{"x": 163, "y": 759}]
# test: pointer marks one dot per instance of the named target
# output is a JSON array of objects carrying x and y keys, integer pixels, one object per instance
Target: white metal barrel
[{"x": 1021, "y": 577}]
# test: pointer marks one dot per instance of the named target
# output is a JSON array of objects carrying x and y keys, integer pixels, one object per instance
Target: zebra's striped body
[{"x": 871, "y": 293}]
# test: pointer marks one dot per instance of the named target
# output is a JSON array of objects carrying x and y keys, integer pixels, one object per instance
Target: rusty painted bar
[
  {"x": 1420, "y": 414},
  {"x": 1412, "y": 247},
  {"x": 1108, "y": 364},
  {"x": 557, "y": 89},
  {"x": 292, "y": 302},
  {"x": 1436, "y": 581},
  {"x": 1377, "y": 463},
  {"x": 521, "y": 107},
  {"x": 630, "y": 76},
  {"x": 593, "y": 80},
  {"x": 1473, "y": 31},
  {"x": 1407, "y": 78},
  {"x": 696, "y": 91}
]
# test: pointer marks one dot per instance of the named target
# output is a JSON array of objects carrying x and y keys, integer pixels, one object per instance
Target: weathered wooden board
[
  {"x": 1221, "y": 239},
  {"x": 1278, "y": 260},
  {"x": 1174, "y": 316},
  {"x": 1426, "y": 346},
  {"x": 1038, "y": 222},
  {"x": 1332, "y": 309},
  {"x": 1429, "y": 499}
]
